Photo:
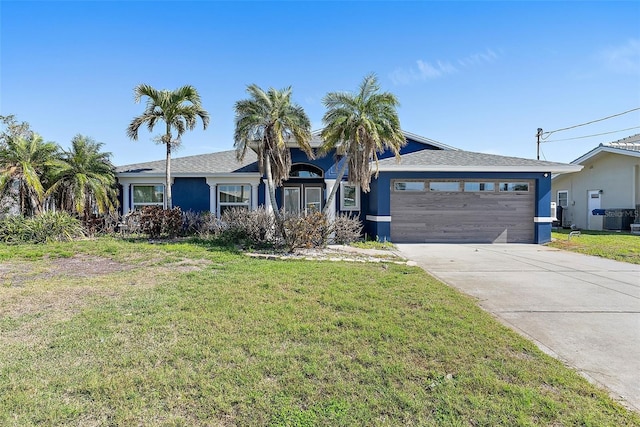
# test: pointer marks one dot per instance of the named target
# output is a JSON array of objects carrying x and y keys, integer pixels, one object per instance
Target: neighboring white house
[{"x": 605, "y": 194}]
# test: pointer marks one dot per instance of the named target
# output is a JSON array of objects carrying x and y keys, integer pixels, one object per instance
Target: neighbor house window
[
  {"x": 514, "y": 186},
  {"x": 350, "y": 199},
  {"x": 563, "y": 198},
  {"x": 444, "y": 186},
  {"x": 233, "y": 196},
  {"x": 409, "y": 186},
  {"x": 479, "y": 186},
  {"x": 148, "y": 195}
]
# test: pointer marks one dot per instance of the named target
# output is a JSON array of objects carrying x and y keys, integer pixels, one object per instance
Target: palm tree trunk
[
  {"x": 168, "y": 169},
  {"x": 35, "y": 204},
  {"x": 272, "y": 196},
  {"x": 336, "y": 184}
]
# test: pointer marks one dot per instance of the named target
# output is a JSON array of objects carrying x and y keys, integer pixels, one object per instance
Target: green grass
[
  {"x": 374, "y": 244},
  {"x": 188, "y": 334},
  {"x": 621, "y": 246}
]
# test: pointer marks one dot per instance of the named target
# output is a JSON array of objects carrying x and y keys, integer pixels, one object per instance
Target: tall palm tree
[
  {"x": 267, "y": 121},
  {"x": 24, "y": 163},
  {"x": 359, "y": 127},
  {"x": 85, "y": 179},
  {"x": 178, "y": 109}
]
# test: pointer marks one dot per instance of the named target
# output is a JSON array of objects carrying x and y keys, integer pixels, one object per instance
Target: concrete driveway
[{"x": 582, "y": 310}]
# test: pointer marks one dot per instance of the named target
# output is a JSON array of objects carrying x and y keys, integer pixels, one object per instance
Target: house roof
[
  {"x": 316, "y": 140},
  {"x": 446, "y": 158},
  {"x": 629, "y": 146},
  {"x": 468, "y": 161},
  {"x": 220, "y": 163}
]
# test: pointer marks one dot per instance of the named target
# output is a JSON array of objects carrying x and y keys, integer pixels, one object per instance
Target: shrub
[
  {"x": 102, "y": 224},
  {"x": 46, "y": 227},
  {"x": 306, "y": 231},
  {"x": 157, "y": 222},
  {"x": 201, "y": 224},
  {"x": 252, "y": 228},
  {"x": 346, "y": 229}
]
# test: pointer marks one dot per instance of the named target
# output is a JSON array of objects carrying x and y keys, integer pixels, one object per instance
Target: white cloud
[
  {"x": 425, "y": 70},
  {"x": 624, "y": 59},
  {"x": 477, "y": 59}
]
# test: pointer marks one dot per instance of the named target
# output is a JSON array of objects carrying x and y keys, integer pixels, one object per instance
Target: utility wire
[
  {"x": 591, "y": 136},
  {"x": 548, "y": 134}
]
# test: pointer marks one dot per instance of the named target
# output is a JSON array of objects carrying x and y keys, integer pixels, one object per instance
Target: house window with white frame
[
  {"x": 233, "y": 196},
  {"x": 349, "y": 197},
  {"x": 563, "y": 198},
  {"x": 147, "y": 195}
]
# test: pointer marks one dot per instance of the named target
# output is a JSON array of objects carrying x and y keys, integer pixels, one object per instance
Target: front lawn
[
  {"x": 110, "y": 332},
  {"x": 620, "y": 246}
]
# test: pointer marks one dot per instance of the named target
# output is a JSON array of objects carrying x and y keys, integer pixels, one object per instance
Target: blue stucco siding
[
  {"x": 543, "y": 208},
  {"x": 191, "y": 194},
  {"x": 411, "y": 147},
  {"x": 324, "y": 163}
]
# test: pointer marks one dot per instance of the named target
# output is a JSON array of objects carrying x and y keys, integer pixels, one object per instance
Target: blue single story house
[{"x": 435, "y": 193}]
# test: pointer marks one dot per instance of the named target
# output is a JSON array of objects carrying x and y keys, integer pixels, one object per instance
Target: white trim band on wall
[
  {"x": 543, "y": 219},
  {"x": 376, "y": 218}
]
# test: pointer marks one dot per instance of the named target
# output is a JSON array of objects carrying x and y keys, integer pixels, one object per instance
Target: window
[
  {"x": 230, "y": 196},
  {"x": 409, "y": 186},
  {"x": 291, "y": 199},
  {"x": 563, "y": 198},
  {"x": 479, "y": 186},
  {"x": 350, "y": 197},
  {"x": 514, "y": 186},
  {"x": 313, "y": 199},
  {"x": 148, "y": 195},
  {"x": 444, "y": 186},
  {"x": 305, "y": 171}
]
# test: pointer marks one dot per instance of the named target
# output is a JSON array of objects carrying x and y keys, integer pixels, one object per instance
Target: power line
[
  {"x": 548, "y": 134},
  {"x": 591, "y": 136}
]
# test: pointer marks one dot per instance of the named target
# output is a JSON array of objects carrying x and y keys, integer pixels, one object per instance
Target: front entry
[
  {"x": 594, "y": 222},
  {"x": 302, "y": 198}
]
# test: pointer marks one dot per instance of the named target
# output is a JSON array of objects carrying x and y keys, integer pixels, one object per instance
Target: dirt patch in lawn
[
  {"x": 26, "y": 301},
  {"x": 21, "y": 273}
]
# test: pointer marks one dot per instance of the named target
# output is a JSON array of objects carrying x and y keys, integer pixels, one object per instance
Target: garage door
[{"x": 462, "y": 211}]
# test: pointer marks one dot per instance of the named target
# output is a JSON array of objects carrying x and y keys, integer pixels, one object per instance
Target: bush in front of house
[
  {"x": 346, "y": 229},
  {"x": 249, "y": 228},
  {"x": 43, "y": 228},
  {"x": 158, "y": 222},
  {"x": 201, "y": 224},
  {"x": 257, "y": 229},
  {"x": 305, "y": 231}
]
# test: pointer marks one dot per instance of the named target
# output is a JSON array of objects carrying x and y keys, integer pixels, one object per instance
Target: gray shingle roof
[
  {"x": 629, "y": 143},
  {"x": 431, "y": 160},
  {"x": 203, "y": 164}
]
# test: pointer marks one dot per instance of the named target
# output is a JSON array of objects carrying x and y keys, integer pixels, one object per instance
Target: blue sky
[{"x": 477, "y": 75}]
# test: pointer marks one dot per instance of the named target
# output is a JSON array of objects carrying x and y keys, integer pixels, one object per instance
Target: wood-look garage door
[{"x": 462, "y": 211}]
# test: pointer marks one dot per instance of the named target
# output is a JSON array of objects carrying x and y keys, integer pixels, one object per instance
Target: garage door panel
[{"x": 490, "y": 217}]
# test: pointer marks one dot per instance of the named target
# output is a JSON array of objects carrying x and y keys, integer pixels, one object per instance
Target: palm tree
[
  {"x": 360, "y": 126},
  {"x": 85, "y": 179},
  {"x": 24, "y": 164},
  {"x": 178, "y": 109},
  {"x": 267, "y": 121}
]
